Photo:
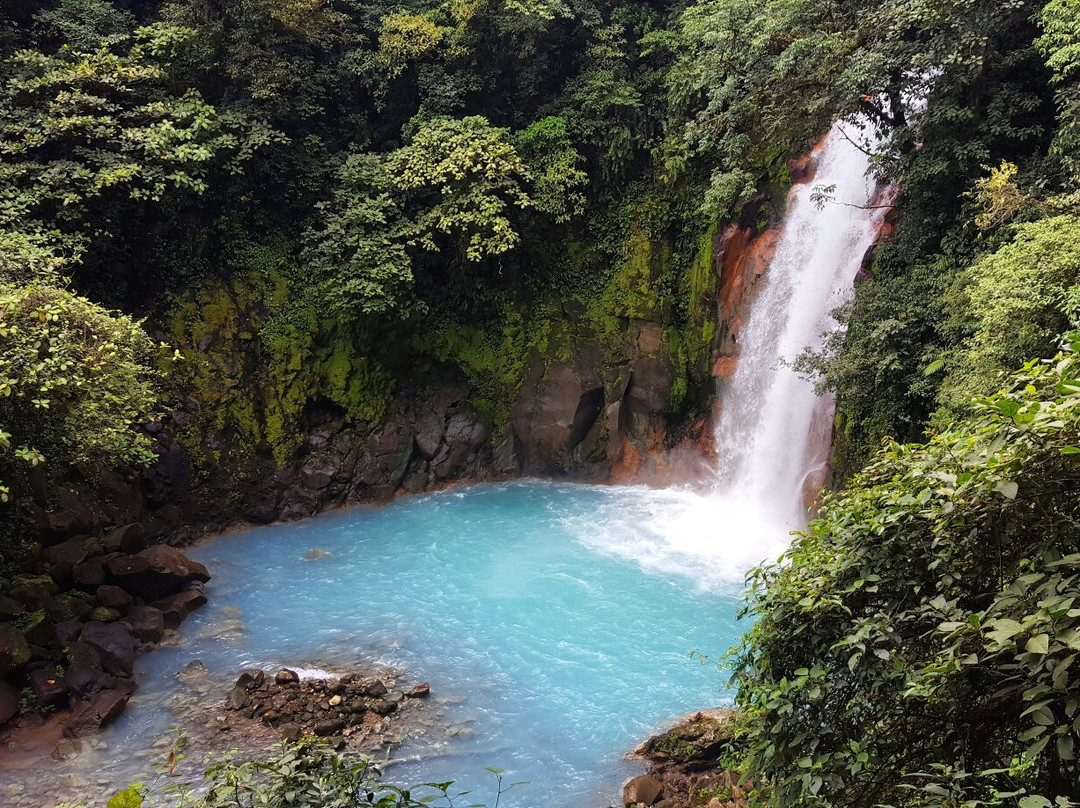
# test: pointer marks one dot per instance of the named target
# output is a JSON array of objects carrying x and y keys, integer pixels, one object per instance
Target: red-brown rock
[
  {"x": 115, "y": 645},
  {"x": 176, "y": 608},
  {"x": 147, "y": 623},
  {"x": 156, "y": 572},
  {"x": 643, "y": 790}
]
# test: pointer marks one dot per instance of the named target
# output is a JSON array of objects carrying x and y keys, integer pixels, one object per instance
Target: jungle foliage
[
  {"x": 916, "y": 645},
  {"x": 335, "y": 190},
  {"x": 305, "y": 774}
]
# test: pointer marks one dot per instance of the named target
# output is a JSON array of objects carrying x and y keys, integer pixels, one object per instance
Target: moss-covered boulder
[{"x": 14, "y": 650}]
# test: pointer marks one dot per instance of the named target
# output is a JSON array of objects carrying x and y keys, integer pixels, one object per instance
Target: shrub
[{"x": 916, "y": 645}]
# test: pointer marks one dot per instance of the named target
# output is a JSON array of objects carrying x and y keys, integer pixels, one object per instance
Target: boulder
[
  {"x": 250, "y": 679},
  {"x": 193, "y": 671},
  {"x": 156, "y": 572},
  {"x": 147, "y": 623},
  {"x": 9, "y": 702},
  {"x": 237, "y": 698},
  {"x": 318, "y": 475},
  {"x": 84, "y": 675},
  {"x": 115, "y": 645},
  {"x": 466, "y": 429},
  {"x": 33, "y": 591},
  {"x": 72, "y": 606},
  {"x": 291, "y": 732},
  {"x": 38, "y": 629},
  {"x": 429, "y": 434},
  {"x": 89, "y": 715},
  {"x": 10, "y": 608},
  {"x": 176, "y": 608},
  {"x": 419, "y": 692},
  {"x": 127, "y": 539},
  {"x": 325, "y": 729},
  {"x": 112, "y": 597},
  {"x": 48, "y": 686},
  {"x": 73, "y": 517},
  {"x": 373, "y": 688},
  {"x": 14, "y": 650},
  {"x": 643, "y": 790},
  {"x": 383, "y": 707},
  {"x": 67, "y": 749},
  {"x": 286, "y": 677},
  {"x": 67, "y": 632},
  {"x": 91, "y": 573},
  {"x": 61, "y": 559}
]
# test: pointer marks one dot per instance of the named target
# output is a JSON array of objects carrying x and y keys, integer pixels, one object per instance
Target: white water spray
[{"x": 774, "y": 431}]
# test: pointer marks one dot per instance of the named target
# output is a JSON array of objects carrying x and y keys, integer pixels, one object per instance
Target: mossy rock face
[
  {"x": 72, "y": 606},
  {"x": 14, "y": 650},
  {"x": 103, "y": 614},
  {"x": 36, "y": 627},
  {"x": 252, "y": 360},
  {"x": 34, "y": 591},
  {"x": 703, "y": 737}
]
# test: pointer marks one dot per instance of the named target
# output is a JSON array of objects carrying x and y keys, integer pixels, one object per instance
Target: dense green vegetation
[
  {"x": 307, "y": 774},
  {"x": 917, "y": 644},
  {"x": 332, "y": 192},
  {"x": 355, "y": 172}
]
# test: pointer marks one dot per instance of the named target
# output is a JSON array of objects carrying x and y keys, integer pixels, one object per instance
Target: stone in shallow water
[
  {"x": 237, "y": 699},
  {"x": 251, "y": 678},
  {"x": 317, "y": 553},
  {"x": 373, "y": 688},
  {"x": 285, "y": 676},
  {"x": 192, "y": 671},
  {"x": 177, "y": 607},
  {"x": 228, "y": 630},
  {"x": 381, "y": 707},
  {"x": 67, "y": 749}
]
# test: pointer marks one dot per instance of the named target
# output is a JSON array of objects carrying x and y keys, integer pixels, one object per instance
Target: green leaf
[
  {"x": 130, "y": 797},
  {"x": 1039, "y": 644},
  {"x": 1065, "y": 748},
  {"x": 1033, "y": 732},
  {"x": 1034, "y": 801},
  {"x": 1007, "y": 488}
]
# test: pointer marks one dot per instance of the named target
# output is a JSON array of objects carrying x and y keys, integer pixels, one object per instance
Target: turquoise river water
[{"x": 557, "y": 622}]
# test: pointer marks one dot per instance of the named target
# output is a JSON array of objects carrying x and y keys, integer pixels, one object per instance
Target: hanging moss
[{"x": 252, "y": 362}]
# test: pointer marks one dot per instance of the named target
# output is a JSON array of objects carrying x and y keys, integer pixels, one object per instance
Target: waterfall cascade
[{"x": 773, "y": 431}]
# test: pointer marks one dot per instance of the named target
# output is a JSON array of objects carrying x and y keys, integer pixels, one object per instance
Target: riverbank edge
[{"x": 687, "y": 766}]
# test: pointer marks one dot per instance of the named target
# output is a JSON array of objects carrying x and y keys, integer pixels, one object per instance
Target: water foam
[{"x": 710, "y": 539}]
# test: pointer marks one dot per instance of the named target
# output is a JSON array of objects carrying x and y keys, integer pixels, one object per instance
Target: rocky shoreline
[
  {"x": 70, "y": 631},
  {"x": 686, "y": 768},
  {"x": 371, "y": 710},
  {"x": 349, "y": 710}
]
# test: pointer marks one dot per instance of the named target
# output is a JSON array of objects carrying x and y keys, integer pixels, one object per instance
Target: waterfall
[{"x": 773, "y": 431}]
